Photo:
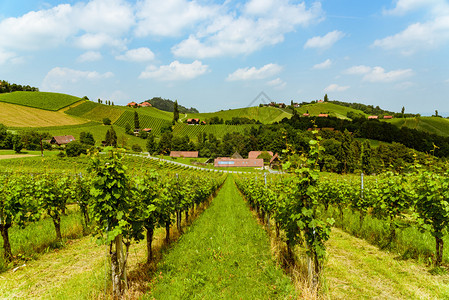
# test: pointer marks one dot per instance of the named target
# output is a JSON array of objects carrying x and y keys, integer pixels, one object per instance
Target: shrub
[
  {"x": 75, "y": 149},
  {"x": 136, "y": 148},
  {"x": 107, "y": 121}
]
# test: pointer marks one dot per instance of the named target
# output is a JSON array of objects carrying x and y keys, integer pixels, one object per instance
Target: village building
[
  {"x": 388, "y": 117},
  {"x": 62, "y": 140},
  {"x": 306, "y": 115},
  {"x": 193, "y": 121},
  {"x": 236, "y": 155},
  {"x": 323, "y": 115},
  {"x": 192, "y": 154},
  {"x": 373, "y": 117},
  {"x": 132, "y": 104},
  {"x": 275, "y": 162},
  {"x": 255, "y": 154},
  {"x": 238, "y": 162},
  {"x": 145, "y": 104},
  {"x": 147, "y": 129}
]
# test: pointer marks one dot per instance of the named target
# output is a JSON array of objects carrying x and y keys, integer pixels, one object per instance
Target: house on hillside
[
  {"x": 323, "y": 115},
  {"x": 306, "y": 115},
  {"x": 193, "y": 154},
  {"x": 62, "y": 140},
  {"x": 238, "y": 162},
  {"x": 388, "y": 117},
  {"x": 320, "y": 101},
  {"x": 147, "y": 129},
  {"x": 145, "y": 104},
  {"x": 373, "y": 117},
  {"x": 193, "y": 121},
  {"x": 132, "y": 104},
  {"x": 255, "y": 154}
]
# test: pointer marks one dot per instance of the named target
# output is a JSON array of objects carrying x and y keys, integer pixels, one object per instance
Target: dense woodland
[{"x": 168, "y": 105}]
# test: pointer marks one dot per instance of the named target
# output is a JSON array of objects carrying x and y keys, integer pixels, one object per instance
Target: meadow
[{"x": 41, "y": 100}]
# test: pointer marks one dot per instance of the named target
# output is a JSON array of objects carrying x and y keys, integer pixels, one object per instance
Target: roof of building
[
  {"x": 255, "y": 154},
  {"x": 63, "y": 139},
  {"x": 183, "y": 153},
  {"x": 237, "y": 162},
  {"x": 236, "y": 155},
  {"x": 372, "y": 117},
  {"x": 275, "y": 157},
  {"x": 323, "y": 115}
]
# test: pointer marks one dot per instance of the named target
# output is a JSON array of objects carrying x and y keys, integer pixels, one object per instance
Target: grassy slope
[
  {"x": 21, "y": 116},
  {"x": 224, "y": 255},
  {"x": 434, "y": 125},
  {"x": 334, "y": 110},
  {"x": 218, "y": 130},
  {"x": 265, "y": 115},
  {"x": 358, "y": 270},
  {"x": 96, "y": 112},
  {"x": 42, "y": 100}
]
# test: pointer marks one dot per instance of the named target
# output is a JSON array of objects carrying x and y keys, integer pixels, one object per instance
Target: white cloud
[
  {"x": 324, "y": 42},
  {"x": 90, "y": 56},
  {"x": 378, "y": 74},
  {"x": 277, "y": 83},
  {"x": 59, "y": 78},
  {"x": 6, "y": 56},
  {"x": 175, "y": 71},
  {"x": 254, "y": 73},
  {"x": 324, "y": 65},
  {"x": 98, "y": 40},
  {"x": 170, "y": 17},
  {"x": 254, "y": 28},
  {"x": 404, "y": 6},
  {"x": 137, "y": 55},
  {"x": 357, "y": 70},
  {"x": 335, "y": 88}
]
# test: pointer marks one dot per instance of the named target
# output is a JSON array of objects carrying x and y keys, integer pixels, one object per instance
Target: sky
[{"x": 218, "y": 55}]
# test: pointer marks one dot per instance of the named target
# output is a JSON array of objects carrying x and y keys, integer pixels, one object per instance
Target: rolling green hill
[
  {"x": 145, "y": 121},
  {"x": 433, "y": 125},
  {"x": 332, "y": 109},
  {"x": 218, "y": 130},
  {"x": 265, "y": 115},
  {"x": 41, "y": 100}
]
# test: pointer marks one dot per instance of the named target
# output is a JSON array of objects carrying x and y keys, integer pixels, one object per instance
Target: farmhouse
[
  {"x": 147, "y": 129},
  {"x": 306, "y": 115},
  {"x": 255, "y": 154},
  {"x": 323, "y": 115},
  {"x": 388, "y": 117},
  {"x": 373, "y": 117},
  {"x": 193, "y": 121},
  {"x": 132, "y": 104},
  {"x": 184, "y": 154},
  {"x": 145, "y": 104},
  {"x": 62, "y": 140},
  {"x": 238, "y": 162}
]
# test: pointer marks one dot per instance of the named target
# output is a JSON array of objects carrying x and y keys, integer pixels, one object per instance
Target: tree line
[{"x": 6, "y": 87}]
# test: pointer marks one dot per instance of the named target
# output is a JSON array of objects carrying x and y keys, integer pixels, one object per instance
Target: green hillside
[
  {"x": 41, "y": 100},
  {"x": 265, "y": 115},
  {"x": 332, "y": 109},
  {"x": 151, "y": 112},
  {"x": 95, "y": 111},
  {"x": 219, "y": 130},
  {"x": 145, "y": 121},
  {"x": 433, "y": 125}
]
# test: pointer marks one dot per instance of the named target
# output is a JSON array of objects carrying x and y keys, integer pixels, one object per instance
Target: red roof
[
  {"x": 132, "y": 104},
  {"x": 372, "y": 117},
  {"x": 237, "y": 162},
  {"x": 62, "y": 140},
  {"x": 306, "y": 114},
  {"x": 255, "y": 154},
  {"x": 323, "y": 115},
  {"x": 145, "y": 104},
  {"x": 147, "y": 129},
  {"x": 183, "y": 153},
  {"x": 276, "y": 156},
  {"x": 388, "y": 117}
]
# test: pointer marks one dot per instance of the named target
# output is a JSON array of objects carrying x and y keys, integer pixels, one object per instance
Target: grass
[
  {"x": 332, "y": 109},
  {"x": 17, "y": 116},
  {"x": 41, "y": 100},
  {"x": 265, "y": 115},
  {"x": 433, "y": 125},
  {"x": 218, "y": 130},
  {"x": 357, "y": 270},
  {"x": 224, "y": 255},
  {"x": 145, "y": 121}
]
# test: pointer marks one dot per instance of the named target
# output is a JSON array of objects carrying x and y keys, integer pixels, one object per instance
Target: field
[
  {"x": 435, "y": 125},
  {"x": 145, "y": 121},
  {"x": 42, "y": 100},
  {"x": 219, "y": 130},
  {"x": 332, "y": 109},
  {"x": 22, "y": 116},
  {"x": 265, "y": 115}
]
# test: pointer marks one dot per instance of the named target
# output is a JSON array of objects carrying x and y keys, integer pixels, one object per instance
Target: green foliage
[
  {"x": 175, "y": 111},
  {"x": 136, "y": 120},
  {"x": 136, "y": 148},
  {"x": 106, "y": 121},
  {"x": 41, "y": 100},
  {"x": 111, "y": 137},
  {"x": 75, "y": 148},
  {"x": 168, "y": 105},
  {"x": 87, "y": 138}
]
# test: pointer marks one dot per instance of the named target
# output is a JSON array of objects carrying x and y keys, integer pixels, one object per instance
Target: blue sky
[{"x": 216, "y": 55}]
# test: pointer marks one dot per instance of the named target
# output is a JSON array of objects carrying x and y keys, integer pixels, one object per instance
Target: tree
[
  {"x": 175, "y": 111},
  {"x": 87, "y": 138},
  {"x": 151, "y": 144},
  {"x": 128, "y": 129},
  {"x": 111, "y": 137},
  {"x": 136, "y": 120},
  {"x": 436, "y": 113},
  {"x": 74, "y": 149},
  {"x": 107, "y": 121},
  {"x": 402, "y": 112},
  {"x": 366, "y": 163},
  {"x": 326, "y": 99},
  {"x": 17, "y": 144}
]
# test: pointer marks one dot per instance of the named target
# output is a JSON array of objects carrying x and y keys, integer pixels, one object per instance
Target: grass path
[
  {"x": 359, "y": 270},
  {"x": 224, "y": 255}
]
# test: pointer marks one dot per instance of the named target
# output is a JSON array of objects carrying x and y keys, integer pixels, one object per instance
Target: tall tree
[
  {"x": 136, "y": 120},
  {"x": 175, "y": 111},
  {"x": 402, "y": 112},
  {"x": 326, "y": 99}
]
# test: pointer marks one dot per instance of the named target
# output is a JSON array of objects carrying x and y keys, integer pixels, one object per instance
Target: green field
[
  {"x": 265, "y": 115},
  {"x": 219, "y": 130},
  {"x": 145, "y": 121},
  {"x": 334, "y": 110},
  {"x": 42, "y": 100},
  {"x": 150, "y": 112},
  {"x": 433, "y": 125}
]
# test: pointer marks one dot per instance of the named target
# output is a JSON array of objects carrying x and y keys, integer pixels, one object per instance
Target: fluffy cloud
[
  {"x": 60, "y": 78},
  {"x": 277, "y": 83},
  {"x": 175, "y": 71},
  {"x": 170, "y": 17},
  {"x": 254, "y": 73},
  {"x": 98, "y": 40},
  {"x": 324, "y": 65},
  {"x": 378, "y": 74},
  {"x": 335, "y": 88},
  {"x": 90, "y": 56},
  {"x": 420, "y": 35},
  {"x": 261, "y": 23},
  {"x": 137, "y": 55},
  {"x": 324, "y": 42}
]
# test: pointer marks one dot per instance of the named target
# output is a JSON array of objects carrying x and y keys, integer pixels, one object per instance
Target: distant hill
[
  {"x": 167, "y": 105},
  {"x": 331, "y": 108},
  {"x": 433, "y": 125},
  {"x": 41, "y": 100}
]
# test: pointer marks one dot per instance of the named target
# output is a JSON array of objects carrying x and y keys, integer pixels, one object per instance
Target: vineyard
[
  {"x": 41, "y": 100},
  {"x": 219, "y": 130},
  {"x": 145, "y": 121}
]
